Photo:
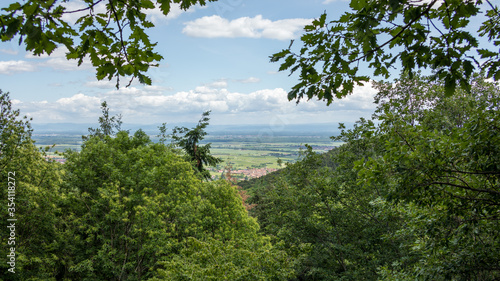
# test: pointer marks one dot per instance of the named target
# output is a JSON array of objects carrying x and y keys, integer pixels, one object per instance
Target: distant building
[
  {"x": 55, "y": 159},
  {"x": 253, "y": 173}
]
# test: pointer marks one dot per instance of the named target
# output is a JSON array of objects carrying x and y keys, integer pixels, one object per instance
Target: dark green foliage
[
  {"x": 332, "y": 227},
  {"x": 412, "y": 196},
  {"x": 123, "y": 208},
  {"x": 442, "y": 159},
  {"x": 14, "y": 132},
  {"x": 380, "y": 34},
  {"x": 253, "y": 185},
  {"x": 242, "y": 259},
  {"x": 237, "y": 253},
  {"x": 133, "y": 202},
  {"x": 134, "y": 207}
]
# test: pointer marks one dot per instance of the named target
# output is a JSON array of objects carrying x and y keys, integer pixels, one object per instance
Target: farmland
[
  {"x": 253, "y": 153},
  {"x": 246, "y": 155}
]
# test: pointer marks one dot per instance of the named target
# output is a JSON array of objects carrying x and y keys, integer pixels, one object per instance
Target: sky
[{"x": 216, "y": 57}]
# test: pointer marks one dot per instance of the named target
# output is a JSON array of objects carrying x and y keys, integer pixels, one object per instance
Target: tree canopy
[
  {"x": 410, "y": 195},
  {"x": 123, "y": 208},
  {"x": 383, "y": 35},
  {"x": 34, "y": 202}
]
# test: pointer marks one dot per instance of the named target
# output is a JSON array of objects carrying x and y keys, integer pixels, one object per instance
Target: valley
[{"x": 247, "y": 156}]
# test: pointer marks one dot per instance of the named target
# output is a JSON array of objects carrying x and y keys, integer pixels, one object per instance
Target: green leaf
[
  {"x": 450, "y": 86},
  {"x": 147, "y": 4},
  {"x": 30, "y": 9},
  {"x": 143, "y": 79},
  {"x": 13, "y": 7},
  {"x": 357, "y": 4},
  {"x": 164, "y": 6}
]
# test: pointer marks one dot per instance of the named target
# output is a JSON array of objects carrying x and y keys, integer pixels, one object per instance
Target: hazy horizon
[{"x": 317, "y": 129}]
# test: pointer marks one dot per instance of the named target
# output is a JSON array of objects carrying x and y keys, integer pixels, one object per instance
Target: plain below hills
[{"x": 248, "y": 150}]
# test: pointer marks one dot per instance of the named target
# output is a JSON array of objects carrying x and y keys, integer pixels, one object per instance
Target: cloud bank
[
  {"x": 12, "y": 66},
  {"x": 56, "y": 61},
  {"x": 246, "y": 27},
  {"x": 152, "y": 104}
]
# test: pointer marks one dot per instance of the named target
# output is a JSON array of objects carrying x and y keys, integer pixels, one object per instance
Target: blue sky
[{"x": 216, "y": 58}]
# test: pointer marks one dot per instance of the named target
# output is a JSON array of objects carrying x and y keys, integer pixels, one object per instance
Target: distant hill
[
  {"x": 61, "y": 128},
  {"x": 326, "y": 129}
]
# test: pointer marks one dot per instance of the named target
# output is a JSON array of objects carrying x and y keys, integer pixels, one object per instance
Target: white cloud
[
  {"x": 9, "y": 51},
  {"x": 126, "y": 91},
  {"x": 218, "y": 100},
  {"x": 78, "y": 103},
  {"x": 57, "y": 61},
  {"x": 77, "y": 107},
  {"x": 156, "y": 88},
  {"x": 256, "y": 27},
  {"x": 267, "y": 100},
  {"x": 249, "y": 80},
  {"x": 218, "y": 84},
  {"x": 331, "y": 1},
  {"x": 9, "y": 67},
  {"x": 101, "y": 84},
  {"x": 152, "y": 104}
]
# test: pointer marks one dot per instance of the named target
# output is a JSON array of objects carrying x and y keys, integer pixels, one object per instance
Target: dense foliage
[
  {"x": 34, "y": 204},
  {"x": 333, "y": 227},
  {"x": 124, "y": 208},
  {"x": 442, "y": 160},
  {"x": 411, "y": 195}
]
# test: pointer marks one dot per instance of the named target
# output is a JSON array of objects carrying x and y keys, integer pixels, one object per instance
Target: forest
[{"x": 412, "y": 194}]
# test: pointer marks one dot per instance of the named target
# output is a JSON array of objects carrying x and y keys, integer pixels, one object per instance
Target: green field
[
  {"x": 239, "y": 151},
  {"x": 248, "y": 155}
]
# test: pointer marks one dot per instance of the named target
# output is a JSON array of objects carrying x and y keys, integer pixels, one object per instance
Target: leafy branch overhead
[
  {"x": 377, "y": 35},
  {"x": 115, "y": 40}
]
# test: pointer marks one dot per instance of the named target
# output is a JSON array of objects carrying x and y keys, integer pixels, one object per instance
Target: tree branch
[
  {"x": 119, "y": 29},
  {"x": 84, "y": 9},
  {"x": 472, "y": 173},
  {"x": 494, "y": 192},
  {"x": 398, "y": 34},
  {"x": 493, "y": 7}
]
